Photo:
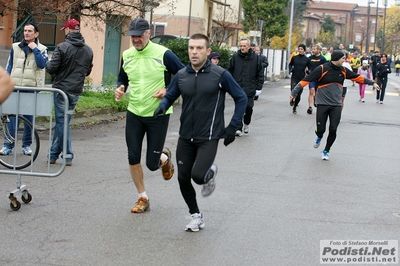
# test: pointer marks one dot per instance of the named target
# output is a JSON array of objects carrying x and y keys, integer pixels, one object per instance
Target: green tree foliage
[
  {"x": 392, "y": 31},
  {"x": 328, "y": 25},
  {"x": 180, "y": 48},
  {"x": 282, "y": 42},
  {"x": 327, "y": 38},
  {"x": 271, "y": 11},
  {"x": 300, "y": 7}
]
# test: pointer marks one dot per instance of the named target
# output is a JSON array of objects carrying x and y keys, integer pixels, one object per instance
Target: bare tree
[
  {"x": 111, "y": 12},
  {"x": 224, "y": 24}
]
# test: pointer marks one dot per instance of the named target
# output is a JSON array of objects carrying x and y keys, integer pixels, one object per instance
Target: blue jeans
[
  {"x": 12, "y": 128},
  {"x": 59, "y": 106},
  {"x": 26, "y": 138}
]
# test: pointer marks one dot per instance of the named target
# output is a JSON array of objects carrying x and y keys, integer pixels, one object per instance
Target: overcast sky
[{"x": 362, "y": 2}]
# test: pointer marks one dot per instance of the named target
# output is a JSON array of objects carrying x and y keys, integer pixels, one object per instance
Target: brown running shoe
[
  {"x": 168, "y": 167},
  {"x": 142, "y": 205}
]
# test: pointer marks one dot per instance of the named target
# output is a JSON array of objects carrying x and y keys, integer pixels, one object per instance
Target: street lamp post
[
  {"x": 345, "y": 29},
  {"x": 289, "y": 52},
  {"x": 352, "y": 13},
  {"x": 189, "y": 18},
  {"x": 384, "y": 27},
  {"x": 260, "y": 26},
  {"x": 368, "y": 26},
  {"x": 376, "y": 23}
]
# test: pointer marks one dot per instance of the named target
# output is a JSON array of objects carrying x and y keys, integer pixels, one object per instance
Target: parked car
[{"x": 163, "y": 39}]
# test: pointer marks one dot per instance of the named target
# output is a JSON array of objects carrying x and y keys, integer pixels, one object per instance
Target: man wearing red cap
[{"x": 71, "y": 62}]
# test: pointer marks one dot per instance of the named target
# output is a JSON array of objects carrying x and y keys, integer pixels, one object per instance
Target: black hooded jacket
[
  {"x": 71, "y": 62},
  {"x": 247, "y": 70}
]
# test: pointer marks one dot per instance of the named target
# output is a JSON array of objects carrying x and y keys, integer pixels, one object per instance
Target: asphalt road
[{"x": 275, "y": 198}]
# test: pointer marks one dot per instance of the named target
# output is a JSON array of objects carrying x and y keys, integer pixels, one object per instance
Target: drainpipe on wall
[{"x": 190, "y": 17}]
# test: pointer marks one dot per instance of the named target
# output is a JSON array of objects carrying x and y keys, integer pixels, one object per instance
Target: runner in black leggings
[
  {"x": 298, "y": 66},
  {"x": 334, "y": 114},
  {"x": 203, "y": 87},
  {"x": 330, "y": 78}
]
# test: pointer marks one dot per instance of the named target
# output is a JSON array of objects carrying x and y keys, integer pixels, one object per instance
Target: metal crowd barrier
[{"x": 37, "y": 102}]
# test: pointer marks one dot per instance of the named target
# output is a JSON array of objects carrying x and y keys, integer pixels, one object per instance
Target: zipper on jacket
[{"x": 194, "y": 102}]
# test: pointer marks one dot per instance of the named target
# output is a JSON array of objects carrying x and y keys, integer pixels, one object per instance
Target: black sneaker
[
  {"x": 294, "y": 111},
  {"x": 309, "y": 110}
]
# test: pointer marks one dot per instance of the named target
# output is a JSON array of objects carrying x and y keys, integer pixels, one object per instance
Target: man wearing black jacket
[
  {"x": 203, "y": 87},
  {"x": 373, "y": 61},
  {"x": 245, "y": 67},
  {"x": 71, "y": 62},
  {"x": 298, "y": 66}
]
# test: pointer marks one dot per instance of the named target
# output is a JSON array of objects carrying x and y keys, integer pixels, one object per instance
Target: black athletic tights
[
  {"x": 334, "y": 113},
  {"x": 194, "y": 159}
]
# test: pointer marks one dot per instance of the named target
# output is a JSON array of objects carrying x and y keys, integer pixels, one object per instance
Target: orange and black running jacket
[{"x": 330, "y": 83}]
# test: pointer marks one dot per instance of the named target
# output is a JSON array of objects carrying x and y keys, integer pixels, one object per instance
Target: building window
[{"x": 159, "y": 28}]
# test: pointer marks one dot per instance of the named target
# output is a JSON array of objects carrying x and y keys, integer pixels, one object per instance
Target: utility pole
[
  {"x": 289, "y": 52},
  {"x": 384, "y": 27},
  {"x": 376, "y": 23},
  {"x": 190, "y": 17},
  {"x": 368, "y": 26}
]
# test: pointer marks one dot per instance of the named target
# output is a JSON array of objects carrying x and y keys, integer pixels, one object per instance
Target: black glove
[
  {"x": 159, "y": 111},
  {"x": 229, "y": 135}
]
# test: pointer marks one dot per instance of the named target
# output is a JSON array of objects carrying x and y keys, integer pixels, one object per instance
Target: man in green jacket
[{"x": 146, "y": 68}]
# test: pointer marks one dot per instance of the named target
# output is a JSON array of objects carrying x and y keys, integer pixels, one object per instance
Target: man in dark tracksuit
[
  {"x": 246, "y": 68},
  {"x": 202, "y": 86},
  {"x": 330, "y": 78},
  {"x": 297, "y": 66}
]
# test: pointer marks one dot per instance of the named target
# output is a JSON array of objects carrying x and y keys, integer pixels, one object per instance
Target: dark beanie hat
[
  {"x": 336, "y": 55},
  {"x": 214, "y": 55},
  {"x": 302, "y": 46}
]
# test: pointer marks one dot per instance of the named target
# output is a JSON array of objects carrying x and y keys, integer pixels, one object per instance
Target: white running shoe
[
  {"x": 26, "y": 150},
  {"x": 196, "y": 223},
  {"x": 246, "y": 129},
  {"x": 317, "y": 142},
  {"x": 325, "y": 155}
]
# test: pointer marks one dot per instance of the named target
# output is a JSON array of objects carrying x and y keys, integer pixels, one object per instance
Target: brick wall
[{"x": 178, "y": 25}]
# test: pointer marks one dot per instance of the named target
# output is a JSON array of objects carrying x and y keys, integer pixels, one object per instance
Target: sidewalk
[{"x": 94, "y": 116}]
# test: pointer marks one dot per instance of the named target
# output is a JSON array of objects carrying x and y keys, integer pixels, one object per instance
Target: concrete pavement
[{"x": 275, "y": 198}]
